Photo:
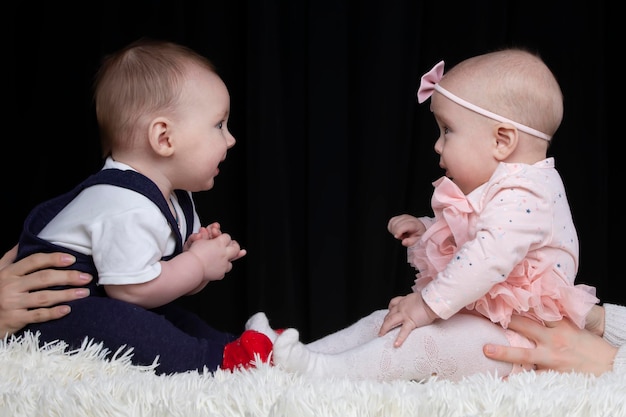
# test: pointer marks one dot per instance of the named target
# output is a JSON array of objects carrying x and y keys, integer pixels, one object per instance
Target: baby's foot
[
  {"x": 292, "y": 355},
  {"x": 260, "y": 323},
  {"x": 246, "y": 351}
]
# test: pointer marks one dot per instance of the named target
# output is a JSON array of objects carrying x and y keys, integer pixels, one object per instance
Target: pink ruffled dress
[{"x": 509, "y": 247}]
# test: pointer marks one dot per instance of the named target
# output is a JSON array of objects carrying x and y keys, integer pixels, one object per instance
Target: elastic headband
[{"x": 430, "y": 83}]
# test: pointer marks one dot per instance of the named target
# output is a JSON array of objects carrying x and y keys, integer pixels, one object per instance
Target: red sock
[{"x": 241, "y": 352}]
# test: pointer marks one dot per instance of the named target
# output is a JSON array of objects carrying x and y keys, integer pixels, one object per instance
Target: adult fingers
[
  {"x": 52, "y": 277},
  {"x": 511, "y": 354},
  {"x": 46, "y": 298},
  {"x": 8, "y": 257},
  {"x": 41, "y": 315},
  {"x": 527, "y": 327},
  {"x": 552, "y": 324},
  {"x": 39, "y": 261}
]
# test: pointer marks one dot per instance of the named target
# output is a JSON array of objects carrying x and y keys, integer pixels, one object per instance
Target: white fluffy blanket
[{"x": 53, "y": 381}]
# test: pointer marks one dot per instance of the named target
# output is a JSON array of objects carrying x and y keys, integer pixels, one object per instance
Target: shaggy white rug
[{"x": 53, "y": 381}]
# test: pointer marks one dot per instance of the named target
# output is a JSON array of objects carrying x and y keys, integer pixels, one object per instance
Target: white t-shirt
[{"x": 123, "y": 230}]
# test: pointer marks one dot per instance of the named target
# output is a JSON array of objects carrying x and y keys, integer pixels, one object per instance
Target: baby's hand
[
  {"x": 202, "y": 234},
  {"x": 214, "y": 230},
  {"x": 409, "y": 312},
  {"x": 216, "y": 255},
  {"x": 406, "y": 228},
  {"x": 211, "y": 231}
]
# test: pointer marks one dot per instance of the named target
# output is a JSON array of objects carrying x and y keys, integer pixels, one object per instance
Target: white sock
[
  {"x": 260, "y": 323},
  {"x": 449, "y": 349},
  {"x": 347, "y": 338}
]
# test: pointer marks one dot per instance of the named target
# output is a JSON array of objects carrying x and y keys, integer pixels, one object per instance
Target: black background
[{"x": 331, "y": 141}]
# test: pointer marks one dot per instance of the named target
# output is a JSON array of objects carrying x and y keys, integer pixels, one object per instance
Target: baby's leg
[
  {"x": 177, "y": 339},
  {"x": 449, "y": 349},
  {"x": 352, "y": 336}
]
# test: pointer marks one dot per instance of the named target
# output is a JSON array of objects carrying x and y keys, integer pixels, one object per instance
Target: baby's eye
[
  {"x": 220, "y": 125},
  {"x": 446, "y": 130}
]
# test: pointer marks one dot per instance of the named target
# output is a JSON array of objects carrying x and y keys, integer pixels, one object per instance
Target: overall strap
[{"x": 42, "y": 214}]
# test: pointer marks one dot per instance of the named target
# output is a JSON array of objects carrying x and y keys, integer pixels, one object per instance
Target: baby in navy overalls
[{"x": 162, "y": 112}]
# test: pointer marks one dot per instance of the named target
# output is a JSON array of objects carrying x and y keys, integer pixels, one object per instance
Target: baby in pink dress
[{"x": 501, "y": 242}]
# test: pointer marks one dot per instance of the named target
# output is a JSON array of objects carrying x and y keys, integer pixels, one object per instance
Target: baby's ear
[
  {"x": 159, "y": 137},
  {"x": 506, "y": 140}
]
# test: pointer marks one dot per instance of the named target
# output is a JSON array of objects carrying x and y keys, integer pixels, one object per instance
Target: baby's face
[
  {"x": 202, "y": 131},
  {"x": 465, "y": 144}
]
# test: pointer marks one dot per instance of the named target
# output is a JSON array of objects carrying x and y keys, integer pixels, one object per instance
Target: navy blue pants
[{"x": 181, "y": 339}]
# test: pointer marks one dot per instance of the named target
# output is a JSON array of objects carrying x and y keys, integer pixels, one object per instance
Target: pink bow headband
[{"x": 430, "y": 83}]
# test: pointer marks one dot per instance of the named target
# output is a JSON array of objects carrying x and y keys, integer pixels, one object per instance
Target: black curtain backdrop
[{"x": 331, "y": 141}]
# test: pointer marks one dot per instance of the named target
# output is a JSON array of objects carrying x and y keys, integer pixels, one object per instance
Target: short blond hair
[{"x": 142, "y": 78}]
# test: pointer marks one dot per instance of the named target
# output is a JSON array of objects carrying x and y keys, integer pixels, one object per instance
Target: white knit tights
[{"x": 449, "y": 349}]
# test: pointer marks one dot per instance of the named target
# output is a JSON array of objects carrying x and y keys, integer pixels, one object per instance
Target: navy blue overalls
[{"x": 181, "y": 340}]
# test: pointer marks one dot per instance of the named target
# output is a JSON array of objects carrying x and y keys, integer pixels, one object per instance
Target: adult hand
[
  {"x": 20, "y": 302},
  {"x": 560, "y": 346}
]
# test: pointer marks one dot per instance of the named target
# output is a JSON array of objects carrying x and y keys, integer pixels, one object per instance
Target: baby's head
[
  {"x": 502, "y": 106},
  {"x": 513, "y": 83},
  {"x": 143, "y": 79}
]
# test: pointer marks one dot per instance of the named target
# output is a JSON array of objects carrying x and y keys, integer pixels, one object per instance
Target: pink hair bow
[
  {"x": 427, "y": 84},
  {"x": 430, "y": 83}
]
